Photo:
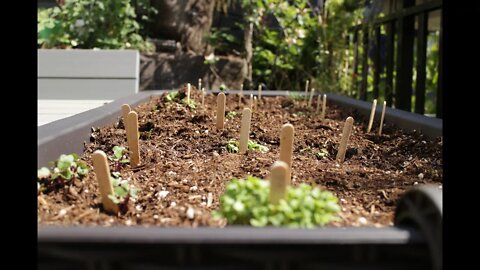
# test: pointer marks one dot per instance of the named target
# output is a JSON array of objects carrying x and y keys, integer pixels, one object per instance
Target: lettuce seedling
[
  {"x": 119, "y": 154},
  {"x": 231, "y": 115},
  {"x": 180, "y": 97},
  {"x": 233, "y": 146},
  {"x": 122, "y": 192},
  {"x": 323, "y": 154},
  {"x": 63, "y": 170},
  {"x": 247, "y": 202}
]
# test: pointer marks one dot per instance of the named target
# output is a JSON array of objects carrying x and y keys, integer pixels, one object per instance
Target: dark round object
[{"x": 421, "y": 208}]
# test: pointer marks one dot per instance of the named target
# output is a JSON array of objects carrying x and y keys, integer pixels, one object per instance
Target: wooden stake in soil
[
  {"x": 255, "y": 103},
  {"x": 188, "y": 92},
  {"x": 342, "y": 148},
  {"x": 245, "y": 130},
  {"x": 102, "y": 173},
  {"x": 372, "y": 115},
  {"x": 251, "y": 101},
  {"x": 306, "y": 90},
  {"x": 125, "y": 110},
  {"x": 132, "y": 138},
  {"x": 319, "y": 99},
  {"x": 240, "y": 95},
  {"x": 279, "y": 180},
  {"x": 259, "y": 92},
  {"x": 286, "y": 145},
  {"x": 311, "y": 97},
  {"x": 324, "y": 106},
  {"x": 381, "y": 119},
  {"x": 220, "y": 110},
  {"x": 203, "y": 96},
  {"x": 199, "y": 84}
]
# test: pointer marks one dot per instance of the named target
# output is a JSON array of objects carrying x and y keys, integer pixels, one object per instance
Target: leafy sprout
[
  {"x": 119, "y": 154},
  {"x": 63, "y": 170},
  {"x": 122, "y": 190},
  {"x": 296, "y": 96},
  {"x": 233, "y": 146},
  {"x": 323, "y": 154},
  {"x": 247, "y": 202},
  {"x": 232, "y": 114},
  {"x": 180, "y": 97}
]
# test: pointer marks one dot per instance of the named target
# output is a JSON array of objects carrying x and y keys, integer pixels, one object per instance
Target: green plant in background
[
  {"x": 119, "y": 154},
  {"x": 322, "y": 154},
  {"x": 247, "y": 202},
  {"x": 122, "y": 190},
  {"x": 63, "y": 170},
  {"x": 233, "y": 146},
  {"x": 220, "y": 39},
  {"x": 88, "y": 24},
  {"x": 296, "y": 96},
  {"x": 231, "y": 114}
]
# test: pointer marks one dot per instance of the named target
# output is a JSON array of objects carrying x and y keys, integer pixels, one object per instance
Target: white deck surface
[{"x": 50, "y": 110}]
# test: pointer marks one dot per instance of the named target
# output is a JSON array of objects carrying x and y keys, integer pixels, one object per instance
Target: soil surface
[{"x": 182, "y": 153}]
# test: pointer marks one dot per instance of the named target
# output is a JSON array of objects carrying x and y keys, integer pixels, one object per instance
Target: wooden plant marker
[
  {"x": 199, "y": 84},
  {"x": 306, "y": 90},
  {"x": 311, "y": 97},
  {"x": 125, "y": 110},
  {"x": 254, "y": 103},
  {"x": 220, "y": 110},
  {"x": 132, "y": 138},
  {"x": 324, "y": 106},
  {"x": 102, "y": 173},
  {"x": 279, "y": 180},
  {"x": 286, "y": 145},
  {"x": 259, "y": 92},
  {"x": 381, "y": 119},
  {"x": 342, "y": 148},
  {"x": 372, "y": 115},
  {"x": 245, "y": 130},
  {"x": 240, "y": 96},
  {"x": 319, "y": 99},
  {"x": 251, "y": 101},
  {"x": 189, "y": 87},
  {"x": 203, "y": 97}
]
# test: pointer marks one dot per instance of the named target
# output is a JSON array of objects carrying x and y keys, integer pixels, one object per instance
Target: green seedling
[
  {"x": 247, "y": 202},
  {"x": 306, "y": 150},
  {"x": 122, "y": 192},
  {"x": 323, "y": 154},
  {"x": 119, "y": 154},
  {"x": 231, "y": 115},
  {"x": 233, "y": 145},
  {"x": 179, "y": 97},
  {"x": 63, "y": 170},
  {"x": 296, "y": 96}
]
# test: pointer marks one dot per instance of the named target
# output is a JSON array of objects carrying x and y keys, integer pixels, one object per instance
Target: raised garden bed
[{"x": 183, "y": 153}]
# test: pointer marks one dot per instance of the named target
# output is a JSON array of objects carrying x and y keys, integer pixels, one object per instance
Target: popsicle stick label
[
  {"x": 319, "y": 100},
  {"x": 306, "y": 90},
  {"x": 245, "y": 130},
  {"x": 132, "y": 138},
  {"x": 259, "y": 91},
  {"x": 203, "y": 97},
  {"x": 347, "y": 129},
  {"x": 125, "y": 110},
  {"x": 254, "y": 103},
  {"x": 102, "y": 173},
  {"x": 199, "y": 84},
  {"x": 279, "y": 180},
  {"x": 381, "y": 119},
  {"x": 220, "y": 110},
  {"x": 240, "y": 95},
  {"x": 311, "y": 97},
  {"x": 189, "y": 87},
  {"x": 372, "y": 115},
  {"x": 324, "y": 106},
  {"x": 251, "y": 101},
  {"x": 286, "y": 145}
]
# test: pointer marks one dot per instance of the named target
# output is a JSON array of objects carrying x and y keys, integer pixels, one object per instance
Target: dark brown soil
[{"x": 183, "y": 153}]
